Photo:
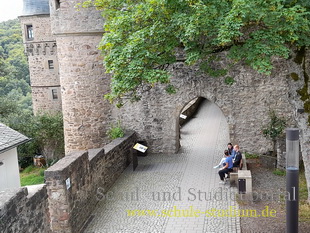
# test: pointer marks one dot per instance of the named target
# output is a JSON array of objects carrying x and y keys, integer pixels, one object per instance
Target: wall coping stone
[
  {"x": 95, "y": 154},
  {"x": 9, "y": 196},
  {"x": 112, "y": 145},
  {"x": 63, "y": 166},
  {"x": 34, "y": 189}
]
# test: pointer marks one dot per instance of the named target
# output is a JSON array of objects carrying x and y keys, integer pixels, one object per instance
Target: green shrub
[
  {"x": 274, "y": 129},
  {"x": 116, "y": 131},
  {"x": 251, "y": 156},
  {"x": 279, "y": 172}
]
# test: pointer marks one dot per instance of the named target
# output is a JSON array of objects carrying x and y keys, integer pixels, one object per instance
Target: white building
[{"x": 9, "y": 169}]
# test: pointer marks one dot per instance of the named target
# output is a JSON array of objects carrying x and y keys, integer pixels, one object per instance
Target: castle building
[
  {"x": 41, "y": 49},
  {"x": 66, "y": 69},
  {"x": 67, "y": 74}
]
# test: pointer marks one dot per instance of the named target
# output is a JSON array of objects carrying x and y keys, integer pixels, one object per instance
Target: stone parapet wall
[
  {"x": 22, "y": 212},
  {"x": 88, "y": 171}
]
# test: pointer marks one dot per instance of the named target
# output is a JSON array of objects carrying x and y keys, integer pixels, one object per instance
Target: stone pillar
[{"x": 67, "y": 185}]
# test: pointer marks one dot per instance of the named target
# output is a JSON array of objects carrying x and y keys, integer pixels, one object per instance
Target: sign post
[{"x": 137, "y": 147}]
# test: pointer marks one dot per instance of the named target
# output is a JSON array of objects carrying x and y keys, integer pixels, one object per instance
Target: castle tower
[
  {"x": 82, "y": 78},
  {"x": 40, "y": 47}
]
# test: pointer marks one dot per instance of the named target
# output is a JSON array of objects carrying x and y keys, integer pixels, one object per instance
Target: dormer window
[{"x": 29, "y": 32}]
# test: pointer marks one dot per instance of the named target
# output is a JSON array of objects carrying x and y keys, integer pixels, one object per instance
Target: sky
[{"x": 10, "y": 9}]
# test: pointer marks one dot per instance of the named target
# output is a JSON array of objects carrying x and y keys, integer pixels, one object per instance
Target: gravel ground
[{"x": 268, "y": 191}]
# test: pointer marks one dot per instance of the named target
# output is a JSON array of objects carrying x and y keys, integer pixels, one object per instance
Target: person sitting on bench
[
  {"x": 227, "y": 168},
  {"x": 231, "y": 150},
  {"x": 231, "y": 153},
  {"x": 238, "y": 156}
]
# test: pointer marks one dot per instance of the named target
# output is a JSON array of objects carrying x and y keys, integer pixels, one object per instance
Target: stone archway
[
  {"x": 245, "y": 105},
  {"x": 189, "y": 111}
]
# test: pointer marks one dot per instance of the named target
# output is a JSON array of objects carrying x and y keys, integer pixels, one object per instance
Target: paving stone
[{"x": 172, "y": 192}]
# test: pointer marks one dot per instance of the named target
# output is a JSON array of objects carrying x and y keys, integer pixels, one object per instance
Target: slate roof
[{"x": 10, "y": 138}]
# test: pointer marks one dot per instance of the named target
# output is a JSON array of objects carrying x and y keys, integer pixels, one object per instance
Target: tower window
[
  {"x": 54, "y": 94},
  {"x": 50, "y": 64},
  {"x": 57, "y": 4},
  {"x": 29, "y": 32}
]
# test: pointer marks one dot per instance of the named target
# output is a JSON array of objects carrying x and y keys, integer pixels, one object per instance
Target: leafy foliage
[
  {"x": 116, "y": 131},
  {"x": 14, "y": 72},
  {"x": 279, "y": 172},
  {"x": 45, "y": 130},
  {"x": 13, "y": 61},
  {"x": 142, "y": 35},
  {"x": 251, "y": 156},
  {"x": 274, "y": 129}
]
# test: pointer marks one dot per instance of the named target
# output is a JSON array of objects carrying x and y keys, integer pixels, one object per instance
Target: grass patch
[
  {"x": 251, "y": 156},
  {"x": 32, "y": 175},
  {"x": 279, "y": 172},
  {"x": 304, "y": 206}
]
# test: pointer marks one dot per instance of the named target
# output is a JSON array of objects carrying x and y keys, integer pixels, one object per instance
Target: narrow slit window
[
  {"x": 29, "y": 32},
  {"x": 57, "y": 4},
  {"x": 50, "y": 64},
  {"x": 54, "y": 94}
]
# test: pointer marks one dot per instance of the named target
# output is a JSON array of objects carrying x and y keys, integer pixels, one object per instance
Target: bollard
[{"x": 292, "y": 179}]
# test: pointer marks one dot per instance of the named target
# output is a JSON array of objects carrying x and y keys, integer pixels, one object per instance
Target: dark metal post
[{"x": 292, "y": 179}]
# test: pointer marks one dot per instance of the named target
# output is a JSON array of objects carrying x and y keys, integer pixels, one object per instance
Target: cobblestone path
[{"x": 174, "y": 192}]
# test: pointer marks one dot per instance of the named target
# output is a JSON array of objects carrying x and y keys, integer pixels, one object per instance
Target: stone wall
[
  {"x": 245, "y": 104},
  {"x": 49, "y": 104},
  {"x": 24, "y": 212},
  {"x": 88, "y": 171},
  {"x": 302, "y": 118},
  {"x": 43, "y": 63},
  {"x": 39, "y": 70},
  {"x": 66, "y": 18},
  {"x": 190, "y": 109},
  {"x": 41, "y": 27}
]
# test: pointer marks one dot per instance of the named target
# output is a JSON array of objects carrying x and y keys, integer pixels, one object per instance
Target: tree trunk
[{"x": 274, "y": 151}]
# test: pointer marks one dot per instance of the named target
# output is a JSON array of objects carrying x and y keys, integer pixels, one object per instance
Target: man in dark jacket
[{"x": 238, "y": 156}]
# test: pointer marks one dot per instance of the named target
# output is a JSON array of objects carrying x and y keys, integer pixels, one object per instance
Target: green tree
[
  {"x": 13, "y": 61},
  {"x": 142, "y": 35},
  {"x": 45, "y": 130},
  {"x": 274, "y": 129}
]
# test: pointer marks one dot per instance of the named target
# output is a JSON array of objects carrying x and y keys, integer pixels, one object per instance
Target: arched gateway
[{"x": 245, "y": 105}]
